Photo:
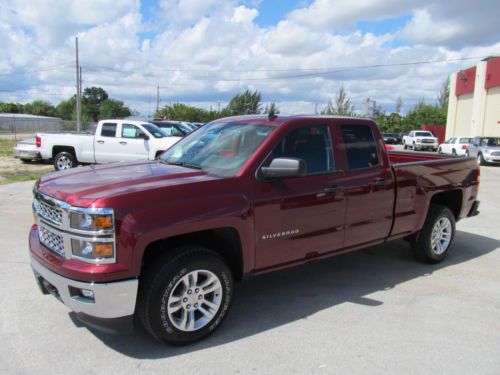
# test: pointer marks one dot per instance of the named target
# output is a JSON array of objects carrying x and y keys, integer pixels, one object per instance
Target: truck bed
[{"x": 419, "y": 176}]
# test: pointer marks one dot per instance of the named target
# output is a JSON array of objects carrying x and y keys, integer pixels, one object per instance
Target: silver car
[
  {"x": 26, "y": 150},
  {"x": 485, "y": 149}
]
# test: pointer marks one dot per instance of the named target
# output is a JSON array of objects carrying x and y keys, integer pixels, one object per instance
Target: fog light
[{"x": 87, "y": 294}]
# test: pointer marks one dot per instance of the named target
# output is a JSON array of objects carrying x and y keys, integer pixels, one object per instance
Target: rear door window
[
  {"x": 360, "y": 146},
  {"x": 108, "y": 129}
]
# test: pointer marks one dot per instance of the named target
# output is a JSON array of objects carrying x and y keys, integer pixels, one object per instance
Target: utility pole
[
  {"x": 157, "y": 98},
  {"x": 78, "y": 103}
]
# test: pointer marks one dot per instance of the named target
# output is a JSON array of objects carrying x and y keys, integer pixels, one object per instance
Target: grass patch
[
  {"x": 8, "y": 178},
  {"x": 6, "y": 146}
]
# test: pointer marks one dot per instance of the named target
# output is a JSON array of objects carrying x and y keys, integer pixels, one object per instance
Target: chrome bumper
[
  {"x": 111, "y": 300},
  {"x": 27, "y": 154}
]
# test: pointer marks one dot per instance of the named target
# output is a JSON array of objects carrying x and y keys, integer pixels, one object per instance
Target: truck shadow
[{"x": 272, "y": 300}]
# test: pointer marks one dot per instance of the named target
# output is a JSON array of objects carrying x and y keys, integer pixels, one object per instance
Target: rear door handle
[
  {"x": 382, "y": 182},
  {"x": 333, "y": 189},
  {"x": 123, "y": 143},
  {"x": 101, "y": 142}
]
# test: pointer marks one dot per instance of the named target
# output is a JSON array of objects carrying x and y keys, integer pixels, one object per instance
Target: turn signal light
[
  {"x": 104, "y": 250},
  {"x": 104, "y": 222}
]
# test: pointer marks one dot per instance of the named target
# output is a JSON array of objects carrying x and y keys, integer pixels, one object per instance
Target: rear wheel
[
  {"x": 404, "y": 146},
  {"x": 64, "y": 160},
  {"x": 454, "y": 152},
  {"x": 431, "y": 245},
  {"x": 185, "y": 297}
]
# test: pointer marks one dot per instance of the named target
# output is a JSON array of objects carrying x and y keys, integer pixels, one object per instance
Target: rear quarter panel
[{"x": 417, "y": 181}]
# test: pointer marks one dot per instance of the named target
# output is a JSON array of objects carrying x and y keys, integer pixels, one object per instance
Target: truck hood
[{"x": 84, "y": 185}]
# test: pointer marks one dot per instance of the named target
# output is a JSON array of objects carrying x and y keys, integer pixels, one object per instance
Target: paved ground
[{"x": 375, "y": 311}]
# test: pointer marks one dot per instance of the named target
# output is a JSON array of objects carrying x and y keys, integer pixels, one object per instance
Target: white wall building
[{"x": 474, "y": 103}]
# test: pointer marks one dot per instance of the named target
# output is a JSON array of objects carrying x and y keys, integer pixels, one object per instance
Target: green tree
[
  {"x": 444, "y": 94},
  {"x": 111, "y": 108},
  {"x": 66, "y": 109},
  {"x": 399, "y": 105},
  {"x": 92, "y": 99},
  {"x": 11, "y": 108},
  {"x": 40, "y": 108},
  {"x": 342, "y": 107},
  {"x": 272, "y": 108},
  {"x": 185, "y": 112},
  {"x": 246, "y": 103}
]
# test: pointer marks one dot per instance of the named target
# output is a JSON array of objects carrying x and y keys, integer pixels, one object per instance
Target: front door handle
[
  {"x": 101, "y": 142},
  {"x": 382, "y": 182},
  {"x": 123, "y": 143},
  {"x": 333, "y": 189}
]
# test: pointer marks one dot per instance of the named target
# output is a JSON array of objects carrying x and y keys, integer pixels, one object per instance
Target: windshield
[
  {"x": 154, "y": 130},
  {"x": 490, "y": 142},
  {"x": 423, "y": 134},
  {"x": 219, "y": 149}
]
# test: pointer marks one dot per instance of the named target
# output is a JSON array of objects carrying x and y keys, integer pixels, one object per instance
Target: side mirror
[
  {"x": 144, "y": 136},
  {"x": 284, "y": 168}
]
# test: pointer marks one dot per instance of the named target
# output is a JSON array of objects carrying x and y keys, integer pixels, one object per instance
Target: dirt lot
[{"x": 13, "y": 170}]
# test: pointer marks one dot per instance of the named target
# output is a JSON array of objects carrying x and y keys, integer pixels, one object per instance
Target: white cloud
[{"x": 206, "y": 51}]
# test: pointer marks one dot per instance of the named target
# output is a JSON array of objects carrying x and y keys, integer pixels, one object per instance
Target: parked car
[
  {"x": 390, "y": 138},
  {"x": 26, "y": 150},
  {"x": 165, "y": 240},
  {"x": 485, "y": 149},
  {"x": 113, "y": 141},
  {"x": 174, "y": 128},
  {"x": 420, "y": 140},
  {"x": 455, "y": 146}
]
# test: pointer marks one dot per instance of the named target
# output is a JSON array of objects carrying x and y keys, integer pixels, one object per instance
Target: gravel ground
[{"x": 370, "y": 312}]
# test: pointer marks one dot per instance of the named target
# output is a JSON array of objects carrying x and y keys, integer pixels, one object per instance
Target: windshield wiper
[{"x": 180, "y": 163}]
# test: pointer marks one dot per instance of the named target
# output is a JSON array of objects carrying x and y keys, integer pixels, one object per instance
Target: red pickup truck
[{"x": 165, "y": 240}]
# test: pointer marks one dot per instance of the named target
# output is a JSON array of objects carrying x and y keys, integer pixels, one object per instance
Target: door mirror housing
[
  {"x": 144, "y": 136},
  {"x": 284, "y": 168}
]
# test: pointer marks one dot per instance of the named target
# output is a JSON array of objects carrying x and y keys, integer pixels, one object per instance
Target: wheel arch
[
  {"x": 57, "y": 149},
  {"x": 224, "y": 241},
  {"x": 453, "y": 199}
]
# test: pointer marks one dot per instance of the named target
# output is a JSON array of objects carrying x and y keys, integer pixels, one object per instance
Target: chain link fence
[{"x": 19, "y": 126}]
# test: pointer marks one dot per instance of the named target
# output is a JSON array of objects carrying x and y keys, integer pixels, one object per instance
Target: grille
[
  {"x": 495, "y": 153},
  {"x": 47, "y": 212},
  {"x": 52, "y": 241},
  {"x": 427, "y": 141}
]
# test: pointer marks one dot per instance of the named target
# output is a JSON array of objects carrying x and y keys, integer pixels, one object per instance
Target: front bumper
[
  {"x": 111, "y": 300},
  {"x": 491, "y": 159}
]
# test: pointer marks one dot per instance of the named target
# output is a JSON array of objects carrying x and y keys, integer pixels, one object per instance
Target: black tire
[
  {"x": 480, "y": 159},
  {"x": 404, "y": 146},
  {"x": 161, "y": 279},
  {"x": 422, "y": 243},
  {"x": 26, "y": 161},
  {"x": 467, "y": 153},
  {"x": 65, "y": 158},
  {"x": 453, "y": 152}
]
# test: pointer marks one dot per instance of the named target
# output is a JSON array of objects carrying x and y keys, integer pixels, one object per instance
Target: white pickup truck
[
  {"x": 420, "y": 140},
  {"x": 113, "y": 141}
]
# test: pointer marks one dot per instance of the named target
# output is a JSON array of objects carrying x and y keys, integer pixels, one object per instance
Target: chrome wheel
[
  {"x": 63, "y": 162},
  {"x": 441, "y": 235},
  {"x": 194, "y": 300}
]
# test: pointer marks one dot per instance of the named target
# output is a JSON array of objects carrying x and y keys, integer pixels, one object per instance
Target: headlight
[
  {"x": 486, "y": 151},
  {"x": 86, "y": 249},
  {"x": 89, "y": 221},
  {"x": 418, "y": 140}
]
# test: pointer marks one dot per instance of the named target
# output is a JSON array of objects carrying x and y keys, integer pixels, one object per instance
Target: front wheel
[
  {"x": 64, "y": 160},
  {"x": 431, "y": 245},
  {"x": 480, "y": 159},
  {"x": 184, "y": 297}
]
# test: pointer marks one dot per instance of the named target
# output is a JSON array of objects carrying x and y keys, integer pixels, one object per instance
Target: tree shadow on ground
[{"x": 307, "y": 289}]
